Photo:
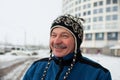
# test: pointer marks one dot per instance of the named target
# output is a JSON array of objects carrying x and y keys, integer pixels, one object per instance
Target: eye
[
  {"x": 53, "y": 35},
  {"x": 65, "y": 36}
]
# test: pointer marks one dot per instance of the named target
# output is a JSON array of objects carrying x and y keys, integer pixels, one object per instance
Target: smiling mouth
[{"x": 60, "y": 46}]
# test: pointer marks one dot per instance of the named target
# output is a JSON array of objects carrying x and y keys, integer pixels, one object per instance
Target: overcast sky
[{"x": 27, "y": 21}]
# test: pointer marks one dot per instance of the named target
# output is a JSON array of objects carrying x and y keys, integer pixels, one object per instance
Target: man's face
[{"x": 61, "y": 42}]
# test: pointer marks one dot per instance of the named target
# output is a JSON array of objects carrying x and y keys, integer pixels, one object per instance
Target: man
[{"x": 67, "y": 63}]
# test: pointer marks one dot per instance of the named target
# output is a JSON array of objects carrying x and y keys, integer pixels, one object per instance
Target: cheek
[
  {"x": 71, "y": 43},
  {"x": 51, "y": 42}
]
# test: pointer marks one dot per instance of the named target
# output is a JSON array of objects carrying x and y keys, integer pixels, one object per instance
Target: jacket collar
[{"x": 66, "y": 60}]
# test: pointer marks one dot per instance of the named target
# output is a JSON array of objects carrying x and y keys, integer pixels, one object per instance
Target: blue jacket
[{"x": 84, "y": 69}]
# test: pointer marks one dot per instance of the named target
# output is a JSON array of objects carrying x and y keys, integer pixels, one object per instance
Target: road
[{"x": 14, "y": 70}]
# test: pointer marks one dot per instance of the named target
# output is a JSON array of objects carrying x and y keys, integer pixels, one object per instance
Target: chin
[{"x": 58, "y": 55}]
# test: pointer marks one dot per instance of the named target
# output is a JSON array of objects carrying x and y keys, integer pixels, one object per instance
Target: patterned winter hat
[{"x": 73, "y": 25}]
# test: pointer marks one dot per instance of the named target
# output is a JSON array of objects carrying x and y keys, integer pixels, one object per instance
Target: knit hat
[{"x": 73, "y": 25}]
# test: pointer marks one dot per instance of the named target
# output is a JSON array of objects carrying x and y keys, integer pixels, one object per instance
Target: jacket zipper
[{"x": 60, "y": 70}]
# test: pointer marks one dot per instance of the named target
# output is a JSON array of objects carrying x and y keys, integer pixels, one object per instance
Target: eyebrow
[{"x": 61, "y": 33}]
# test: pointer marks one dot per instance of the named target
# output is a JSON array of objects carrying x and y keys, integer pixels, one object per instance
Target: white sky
[{"x": 30, "y": 17}]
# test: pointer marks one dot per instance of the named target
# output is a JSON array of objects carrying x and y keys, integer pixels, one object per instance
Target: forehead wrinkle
[{"x": 64, "y": 30}]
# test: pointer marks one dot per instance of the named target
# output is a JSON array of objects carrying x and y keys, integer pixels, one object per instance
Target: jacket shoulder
[
  {"x": 93, "y": 64},
  {"x": 41, "y": 60}
]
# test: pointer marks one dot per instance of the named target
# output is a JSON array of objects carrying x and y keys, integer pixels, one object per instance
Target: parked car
[
  {"x": 20, "y": 51},
  {"x": 2, "y": 51}
]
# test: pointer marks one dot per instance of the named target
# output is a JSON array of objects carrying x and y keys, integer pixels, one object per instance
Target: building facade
[{"x": 102, "y": 23}]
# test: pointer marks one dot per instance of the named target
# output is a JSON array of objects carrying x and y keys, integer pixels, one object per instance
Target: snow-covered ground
[{"x": 110, "y": 62}]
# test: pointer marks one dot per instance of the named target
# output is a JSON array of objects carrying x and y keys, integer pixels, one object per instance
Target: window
[
  {"x": 115, "y": 25},
  {"x": 101, "y": 10},
  {"x": 76, "y": 2},
  {"x": 79, "y": 1},
  {"x": 114, "y": 1},
  {"x": 101, "y": 3},
  {"x": 84, "y": 14},
  {"x": 108, "y": 9},
  {"x": 95, "y": 11},
  {"x": 89, "y": 12},
  {"x": 115, "y": 17},
  {"x": 89, "y": 20},
  {"x": 75, "y": 15},
  {"x": 115, "y": 8},
  {"x": 95, "y": 4},
  {"x": 112, "y": 36},
  {"x": 76, "y": 9},
  {"x": 88, "y": 6},
  {"x": 108, "y": 1},
  {"x": 79, "y": 7},
  {"x": 99, "y": 36},
  {"x": 108, "y": 25},
  {"x": 84, "y": 0},
  {"x": 87, "y": 27},
  {"x": 100, "y": 26},
  {"x": 112, "y": 25},
  {"x": 95, "y": 19},
  {"x": 100, "y": 18},
  {"x": 84, "y": 6},
  {"x": 108, "y": 17},
  {"x": 88, "y": 36},
  {"x": 79, "y": 14}
]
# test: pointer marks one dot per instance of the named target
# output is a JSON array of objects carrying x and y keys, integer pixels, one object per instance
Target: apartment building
[{"x": 102, "y": 24}]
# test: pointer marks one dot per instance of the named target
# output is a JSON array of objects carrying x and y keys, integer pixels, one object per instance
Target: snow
[
  {"x": 115, "y": 47},
  {"x": 5, "y": 58},
  {"x": 110, "y": 62}
]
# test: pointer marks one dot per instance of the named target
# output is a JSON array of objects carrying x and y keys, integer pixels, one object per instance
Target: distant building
[{"x": 102, "y": 26}]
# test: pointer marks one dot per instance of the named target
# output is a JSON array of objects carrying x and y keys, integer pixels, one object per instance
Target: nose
[{"x": 57, "y": 40}]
